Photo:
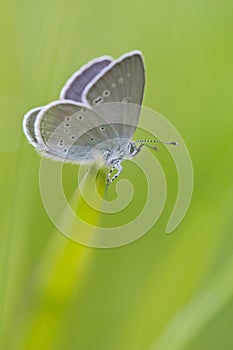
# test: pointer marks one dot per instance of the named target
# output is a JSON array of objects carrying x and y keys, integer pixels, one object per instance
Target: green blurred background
[{"x": 162, "y": 292}]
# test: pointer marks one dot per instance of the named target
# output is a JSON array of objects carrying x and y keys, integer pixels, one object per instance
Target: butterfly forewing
[
  {"x": 119, "y": 84},
  {"x": 122, "y": 81},
  {"x": 74, "y": 87}
]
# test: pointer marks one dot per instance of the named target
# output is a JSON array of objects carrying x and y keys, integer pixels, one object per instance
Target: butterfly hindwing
[
  {"x": 29, "y": 125},
  {"x": 70, "y": 131}
]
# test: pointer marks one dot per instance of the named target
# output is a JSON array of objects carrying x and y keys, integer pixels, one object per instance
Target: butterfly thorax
[
  {"x": 114, "y": 158},
  {"x": 127, "y": 151}
]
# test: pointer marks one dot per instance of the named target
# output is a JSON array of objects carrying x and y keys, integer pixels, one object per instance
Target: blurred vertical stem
[{"x": 58, "y": 277}]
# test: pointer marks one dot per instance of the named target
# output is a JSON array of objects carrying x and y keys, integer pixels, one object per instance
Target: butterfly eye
[{"x": 131, "y": 148}]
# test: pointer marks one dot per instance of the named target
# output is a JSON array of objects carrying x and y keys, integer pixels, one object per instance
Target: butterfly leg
[{"x": 119, "y": 168}]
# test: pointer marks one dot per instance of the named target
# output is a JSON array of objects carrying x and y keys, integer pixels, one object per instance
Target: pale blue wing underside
[{"x": 75, "y": 86}]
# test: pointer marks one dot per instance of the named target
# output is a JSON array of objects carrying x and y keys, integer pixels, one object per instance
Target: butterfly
[{"x": 97, "y": 114}]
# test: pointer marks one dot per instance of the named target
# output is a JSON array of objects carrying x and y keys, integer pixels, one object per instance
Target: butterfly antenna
[{"x": 159, "y": 141}]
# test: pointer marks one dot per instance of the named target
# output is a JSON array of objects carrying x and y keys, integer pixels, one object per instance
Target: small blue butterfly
[{"x": 98, "y": 113}]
